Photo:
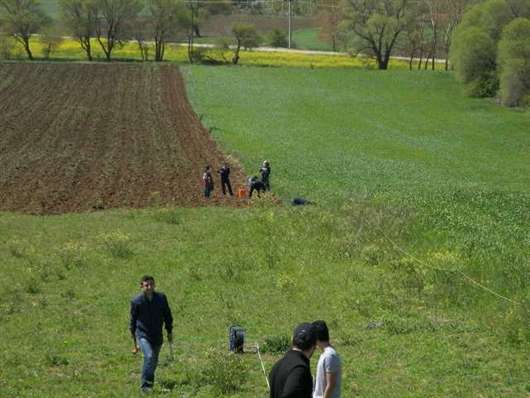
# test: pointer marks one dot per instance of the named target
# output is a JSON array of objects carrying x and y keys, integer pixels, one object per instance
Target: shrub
[
  {"x": 246, "y": 37},
  {"x": 514, "y": 53},
  {"x": 53, "y": 359},
  {"x": 276, "y": 344},
  {"x": 225, "y": 371},
  {"x": 32, "y": 286},
  {"x": 117, "y": 244},
  {"x": 73, "y": 255},
  {"x": 473, "y": 55},
  {"x": 167, "y": 216},
  {"x": 278, "y": 38},
  {"x": 475, "y": 45}
]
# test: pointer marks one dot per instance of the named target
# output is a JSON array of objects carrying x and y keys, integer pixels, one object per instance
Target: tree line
[
  {"x": 487, "y": 42},
  {"x": 111, "y": 22},
  {"x": 491, "y": 51}
]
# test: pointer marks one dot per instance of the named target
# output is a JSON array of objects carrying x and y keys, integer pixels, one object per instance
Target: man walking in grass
[
  {"x": 290, "y": 377},
  {"x": 328, "y": 377},
  {"x": 149, "y": 310}
]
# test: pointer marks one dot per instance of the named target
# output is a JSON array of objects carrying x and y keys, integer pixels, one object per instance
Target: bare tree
[
  {"x": 112, "y": 22},
  {"x": 329, "y": 15},
  {"x": 141, "y": 32},
  {"x": 199, "y": 11},
  {"x": 22, "y": 19},
  {"x": 79, "y": 17},
  {"x": 167, "y": 17},
  {"x": 455, "y": 11},
  {"x": 375, "y": 26}
]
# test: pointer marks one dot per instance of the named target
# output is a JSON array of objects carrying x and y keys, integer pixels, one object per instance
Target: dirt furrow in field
[{"x": 84, "y": 137}]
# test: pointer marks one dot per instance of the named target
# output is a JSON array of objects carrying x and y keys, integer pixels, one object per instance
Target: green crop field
[
  {"x": 307, "y": 39},
  {"x": 417, "y": 251}
]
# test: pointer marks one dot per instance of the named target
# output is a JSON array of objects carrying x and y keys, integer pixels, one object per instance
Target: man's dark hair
[
  {"x": 304, "y": 336},
  {"x": 146, "y": 278},
  {"x": 321, "y": 330}
]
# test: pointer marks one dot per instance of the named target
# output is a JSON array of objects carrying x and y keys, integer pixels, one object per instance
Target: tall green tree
[
  {"x": 475, "y": 43},
  {"x": 514, "y": 63},
  {"x": 374, "y": 26},
  {"x": 79, "y": 17},
  {"x": 22, "y": 19}
]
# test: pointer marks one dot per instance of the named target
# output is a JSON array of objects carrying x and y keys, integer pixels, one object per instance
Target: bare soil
[{"x": 83, "y": 137}]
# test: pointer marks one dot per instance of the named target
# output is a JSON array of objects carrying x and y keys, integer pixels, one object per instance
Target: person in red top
[{"x": 207, "y": 180}]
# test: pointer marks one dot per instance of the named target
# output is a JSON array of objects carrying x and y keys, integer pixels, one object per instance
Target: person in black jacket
[
  {"x": 291, "y": 377},
  {"x": 224, "y": 172},
  {"x": 255, "y": 185},
  {"x": 149, "y": 310},
  {"x": 265, "y": 173}
]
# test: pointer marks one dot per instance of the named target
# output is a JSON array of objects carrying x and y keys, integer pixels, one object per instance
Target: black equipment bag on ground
[{"x": 236, "y": 338}]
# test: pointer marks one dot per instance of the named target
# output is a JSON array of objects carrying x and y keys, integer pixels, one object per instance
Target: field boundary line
[{"x": 461, "y": 273}]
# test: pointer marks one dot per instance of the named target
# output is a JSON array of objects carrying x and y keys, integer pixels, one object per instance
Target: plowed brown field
[{"x": 79, "y": 137}]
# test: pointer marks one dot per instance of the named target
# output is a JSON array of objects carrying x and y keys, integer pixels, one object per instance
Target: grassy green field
[
  {"x": 399, "y": 164},
  {"x": 307, "y": 39}
]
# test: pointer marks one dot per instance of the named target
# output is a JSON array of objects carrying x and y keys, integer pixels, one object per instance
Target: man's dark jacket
[
  {"x": 147, "y": 317},
  {"x": 290, "y": 377}
]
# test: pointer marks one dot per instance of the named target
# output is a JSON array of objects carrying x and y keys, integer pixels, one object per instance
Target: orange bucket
[{"x": 241, "y": 192}]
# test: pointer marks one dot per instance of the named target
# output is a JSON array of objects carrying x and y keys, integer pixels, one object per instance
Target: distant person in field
[
  {"x": 254, "y": 184},
  {"x": 224, "y": 173},
  {"x": 265, "y": 173},
  {"x": 149, "y": 310},
  {"x": 207, "y": 180},
  {"x": 290, "y": 377},
  {"x": 329, "y": 372}
]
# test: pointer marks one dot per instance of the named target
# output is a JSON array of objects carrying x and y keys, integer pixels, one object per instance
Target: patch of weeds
[
  {"x": 69, "y": 294},
  {"x": 194, "y": 274},
  {"x": 190, "y": 377},
  {"x": 516, "y": 323},
  {"x": 412, "y": 274},
  {"x": 46, "y": 274},
  {"x": 53, "y": 359},
  {"x": 13, "y": 302},
  {"x": 73, "y": 255},
  {"x": 43, "y": 301},
  {"x": 267, "y": 243},
  {"x": 32, "y": 286},
  {"x": 229, "y": 272},
  {"x": 350, "y": 340},
  {"x": 286, "y": 282},
  {"x": 397, "y": 326},
  {"x": 117, "y": 244},
  {"x": 60, "y": 275},
  {"x": 225, "y": 371},
  {"x": 372, "y": 254},
  {"x": 17, "y": 248},
  {"x": 168, "y": 216},
  {"x": 276, "y": 344}
]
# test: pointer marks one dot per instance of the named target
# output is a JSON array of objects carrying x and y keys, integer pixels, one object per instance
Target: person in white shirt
[{"x": 328, "y": 377}]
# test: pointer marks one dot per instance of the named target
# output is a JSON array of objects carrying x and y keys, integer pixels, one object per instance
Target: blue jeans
[{"x": 151, "y": 353}]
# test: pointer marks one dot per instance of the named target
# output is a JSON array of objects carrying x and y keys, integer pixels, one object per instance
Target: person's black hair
[
  {"x": 146, "y": 278},
  {"x": 304, "y": 336},
  {"x": 321, "y": 330}
]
